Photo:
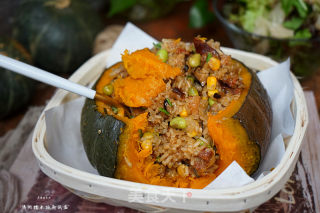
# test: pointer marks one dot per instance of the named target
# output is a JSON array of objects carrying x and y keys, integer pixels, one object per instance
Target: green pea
[
  {"x": 178, "y": 123},
  {"x": 194, "y": 60},
  {"x": 210, "y": 101},
  {"x": 192, "y": 91},
  {"x": 163, "y": 55},
  {"x": 108, "y": 89}
]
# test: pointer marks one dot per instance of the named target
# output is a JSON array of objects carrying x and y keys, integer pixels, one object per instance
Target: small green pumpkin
[
  {"x": 58, "y": 33},
  {"x": 15, "y": 90}
]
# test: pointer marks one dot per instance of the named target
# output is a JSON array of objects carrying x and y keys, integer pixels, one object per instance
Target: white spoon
[{"x": 53, "y": 80}]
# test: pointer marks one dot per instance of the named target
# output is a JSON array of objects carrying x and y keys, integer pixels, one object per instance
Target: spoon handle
[{"x": 45, "y": 77}]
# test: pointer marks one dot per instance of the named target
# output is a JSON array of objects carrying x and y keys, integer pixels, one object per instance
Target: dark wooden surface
[{"x": 174, "y": 25}]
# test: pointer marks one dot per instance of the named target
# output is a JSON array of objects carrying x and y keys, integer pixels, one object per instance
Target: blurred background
[{"x": 60, "y": 35}]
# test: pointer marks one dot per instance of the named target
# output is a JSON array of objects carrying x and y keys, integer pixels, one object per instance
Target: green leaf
[
  {"x": 287, "y": 6},
  {"x": 169, "y": 102},
  {"x": 199, "y": 14},
  {"x": 164, "y": 111},
  {"x": 118, "y": 6},
  {"x": 303, "y": 34},
  {"x": 293, "y": 23},
  {"x": 157, "y": 45},
  {"x": 208, "y": 57},
  {"x": 301, "y": 7},
  {"x": 248, "y": 20}
]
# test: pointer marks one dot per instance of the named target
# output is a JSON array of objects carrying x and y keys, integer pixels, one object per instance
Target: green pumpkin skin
[
  {"x": 15, "y": 90},
  {"x": 100, "y": 137},
  {"x": 59, "y": 34}
]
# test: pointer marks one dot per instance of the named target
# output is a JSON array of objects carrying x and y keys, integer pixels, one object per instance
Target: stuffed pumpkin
[{"x": 193, "y": 110}]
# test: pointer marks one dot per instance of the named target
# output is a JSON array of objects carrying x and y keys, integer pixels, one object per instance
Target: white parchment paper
[{"x": 64, "y": 141}]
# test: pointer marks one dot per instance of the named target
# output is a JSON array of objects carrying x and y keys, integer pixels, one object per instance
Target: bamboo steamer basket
[{"x": 117, "y": 192}]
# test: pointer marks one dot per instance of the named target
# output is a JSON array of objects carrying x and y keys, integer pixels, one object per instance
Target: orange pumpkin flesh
[
  {"x": 138, "y": 92},
  {"x": 230, "y": 138},
  {"x": 143, "y": 64}
]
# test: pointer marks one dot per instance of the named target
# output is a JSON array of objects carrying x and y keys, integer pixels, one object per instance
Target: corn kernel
[
  {"x": 146, "y": 145},
  {"x": 212, "y": 92},
  {"x": 184, "y": 113},
  {"x": 214, "y": 63},
  {"x": 192, "y": 134},
  {"x": 204, "y": 98},
  {"x": 211, "y": 82}
]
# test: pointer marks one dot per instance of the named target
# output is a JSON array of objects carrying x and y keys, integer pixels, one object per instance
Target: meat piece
[
  {"x": 206, "y": 154},
  {"x": 135, "y": 111},
  {"x": 199, "y": 165},
  {"x": 202, "y": 75},
  {"x": 204, "y": 160},
  {"x": 230, "y": 83},
  {"x": 193, "y": 104},
  {"x": 203, "y": 48}
]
